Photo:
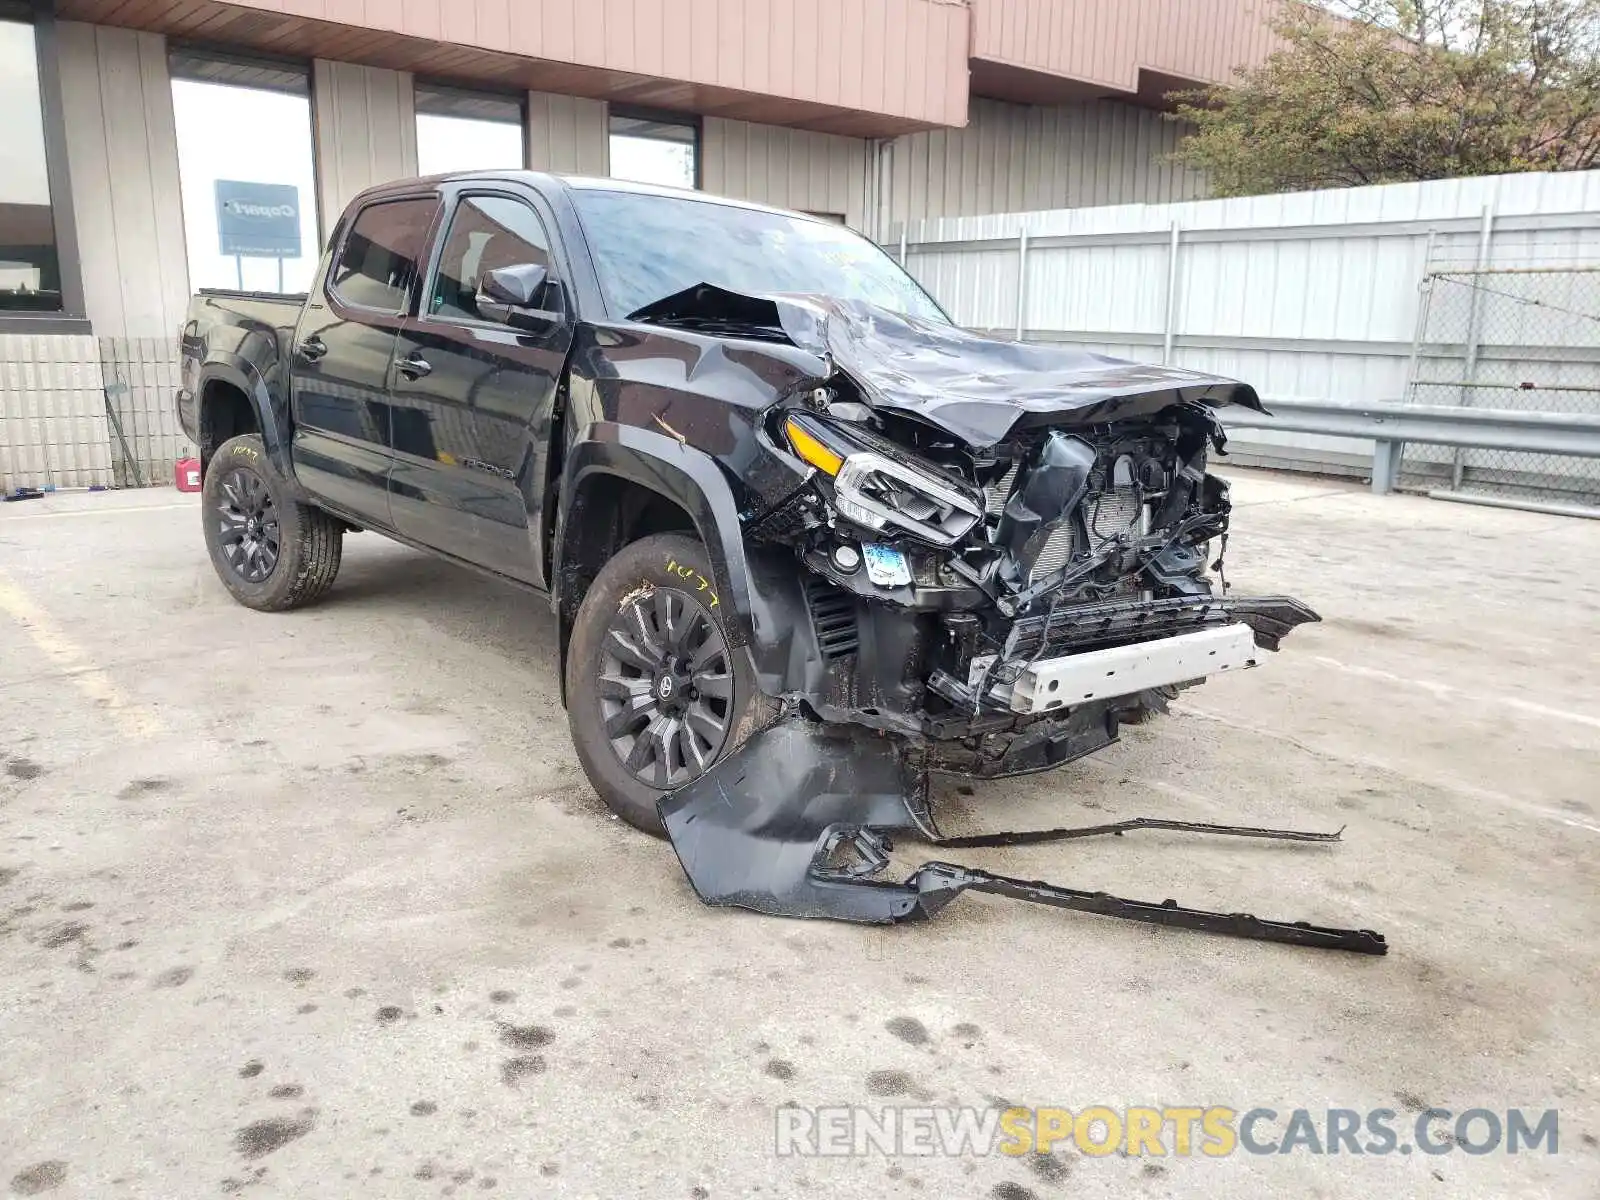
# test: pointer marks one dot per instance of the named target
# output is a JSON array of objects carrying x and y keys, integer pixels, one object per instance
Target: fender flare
[
  {"x": 240, "y": 373},
  {"x": 689, "y": 478}
]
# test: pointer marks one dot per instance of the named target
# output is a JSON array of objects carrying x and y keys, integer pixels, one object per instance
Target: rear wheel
[
  {"x": 655, "y": 693},
  {"x": 270, "y": 551}
]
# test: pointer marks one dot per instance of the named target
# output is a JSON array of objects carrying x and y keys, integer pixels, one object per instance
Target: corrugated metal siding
[
  {"x": 790, "y": 168},
  {"x": 366, "y": 131},
  {"x": 905, "y": 58},
  {"x": 52, "y": 413},
  {"x": 1109, "y": 44},
  {"x": 1014, "y": 157},
  {"x": 1311, "y": 295},
  {"x": 568, "y": 134},
  {"x": 122, "y": 151}
]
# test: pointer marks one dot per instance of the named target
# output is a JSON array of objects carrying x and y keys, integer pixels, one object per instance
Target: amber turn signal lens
[{"x": 810, "y": 449}]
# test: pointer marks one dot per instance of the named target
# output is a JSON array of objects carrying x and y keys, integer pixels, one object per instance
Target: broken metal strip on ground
[
  {"x": 950, "y": 879},
  {"x": 1034, "y": 837},
  {"x": 796, "y": 823}
]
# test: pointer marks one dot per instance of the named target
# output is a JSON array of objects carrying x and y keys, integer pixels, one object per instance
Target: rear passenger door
[
  {"x": 473, "y": 397},
  {"x": 344, "y": 351}
]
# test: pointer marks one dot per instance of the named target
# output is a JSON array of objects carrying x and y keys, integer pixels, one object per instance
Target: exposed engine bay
[
  {"x": 1007, "y": 550},
  {"x": 1052, "y": 543}
]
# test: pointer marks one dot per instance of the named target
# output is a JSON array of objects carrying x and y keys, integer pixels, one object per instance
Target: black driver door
[{"x": 472, "y": 397}]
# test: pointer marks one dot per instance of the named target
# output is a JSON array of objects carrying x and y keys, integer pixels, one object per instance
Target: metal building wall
[
  {"x": 789, "y": 168},
  {"x": 1310, "y": 295},
  {"x": 1014, "y": 157},
  {"x": 365, "y": 122},
  {"x": 64, "y": 398},
  {"x": 773, "y": 59},
  {"x": 1113, "y": 44},
  {"x": 568, "y": 134},
  {"x": 122, "y": 151}
]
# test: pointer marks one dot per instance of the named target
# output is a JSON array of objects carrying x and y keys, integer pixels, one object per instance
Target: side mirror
[
  {"x": 508, "y": 295},
  {"x": 517, "y": 286}
]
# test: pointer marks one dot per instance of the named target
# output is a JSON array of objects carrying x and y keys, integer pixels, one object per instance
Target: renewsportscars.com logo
[{"x": 1212, "y": 1131}]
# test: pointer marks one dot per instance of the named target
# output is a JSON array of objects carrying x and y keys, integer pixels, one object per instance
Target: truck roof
[{"x": 594, "y": 183}]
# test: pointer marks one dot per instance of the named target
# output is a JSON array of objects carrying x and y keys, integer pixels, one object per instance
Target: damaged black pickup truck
[{"x": 806, "y": 541}]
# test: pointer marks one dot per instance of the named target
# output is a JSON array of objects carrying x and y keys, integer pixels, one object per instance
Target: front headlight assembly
[{"x": 876, "y": 491}]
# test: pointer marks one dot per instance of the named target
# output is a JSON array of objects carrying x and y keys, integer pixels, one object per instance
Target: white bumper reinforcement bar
[{"x": 1122, "y": 670}]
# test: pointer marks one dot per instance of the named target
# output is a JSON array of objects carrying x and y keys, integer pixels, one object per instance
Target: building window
[
  {"x": 245, "y": 169},
  {"x": 653, "y": 148},
  {"x": 30, "y": 266},
  {"x": 467, "y": 131}
]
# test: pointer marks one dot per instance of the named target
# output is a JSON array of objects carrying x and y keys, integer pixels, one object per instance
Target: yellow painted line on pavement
[
  {"x": 73, "y": 661},
  {"x": 98, "y": 512}
]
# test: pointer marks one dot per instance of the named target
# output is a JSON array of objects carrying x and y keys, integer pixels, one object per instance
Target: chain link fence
[{"x": 1511, "y": 339}]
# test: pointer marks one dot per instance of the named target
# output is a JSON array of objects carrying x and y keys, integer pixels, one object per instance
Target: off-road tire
[
  {"x": 667, "y": 560},
  {"x": 309, "y": 541}
]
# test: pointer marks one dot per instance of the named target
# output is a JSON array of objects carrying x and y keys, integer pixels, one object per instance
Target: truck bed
[
  {"x": 251, "y": 327},
  {"x": 296, "y": 298}
]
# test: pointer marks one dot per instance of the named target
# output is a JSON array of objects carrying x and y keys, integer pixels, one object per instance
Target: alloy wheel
[
  {"x": 666, "y": 687},
  {"x": 248, "y": 525}
]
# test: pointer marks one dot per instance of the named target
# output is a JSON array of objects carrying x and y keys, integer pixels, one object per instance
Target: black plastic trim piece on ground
[{"x": 797, "y": 822}]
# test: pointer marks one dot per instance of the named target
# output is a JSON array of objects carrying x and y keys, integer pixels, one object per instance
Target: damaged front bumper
[
  {"x": 973, "y": 691},
  {"x": 964, "y": 555},
  {"x": 797, "y": 822}
]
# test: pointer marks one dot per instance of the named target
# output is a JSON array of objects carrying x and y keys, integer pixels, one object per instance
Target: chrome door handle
[
  {"x": 312, "y": 348},
  {"x": 413, "y": 366}
]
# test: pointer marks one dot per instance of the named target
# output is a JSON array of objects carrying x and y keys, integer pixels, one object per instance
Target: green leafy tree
[{"x": 1382, "y": 91}]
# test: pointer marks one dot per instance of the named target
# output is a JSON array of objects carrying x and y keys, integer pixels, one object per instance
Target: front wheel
[
  {"x": 655, "y": 692},
  {"x": 270, "y": 551}
]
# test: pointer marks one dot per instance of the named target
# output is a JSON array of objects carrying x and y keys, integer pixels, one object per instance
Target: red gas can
[{"x": 186, "y": 474}]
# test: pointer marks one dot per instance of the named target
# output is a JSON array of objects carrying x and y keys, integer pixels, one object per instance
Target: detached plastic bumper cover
[{"x": 796, "y": 823}]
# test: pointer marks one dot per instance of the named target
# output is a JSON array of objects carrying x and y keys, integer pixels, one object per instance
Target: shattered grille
[{"x": 1111, "y": 623}]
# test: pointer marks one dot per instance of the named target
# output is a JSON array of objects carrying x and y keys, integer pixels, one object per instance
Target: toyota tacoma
[{"x": 804, "y": 538}]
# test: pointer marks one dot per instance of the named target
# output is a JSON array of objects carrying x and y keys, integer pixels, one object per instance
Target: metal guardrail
[{"x": 1391, "y": 425}]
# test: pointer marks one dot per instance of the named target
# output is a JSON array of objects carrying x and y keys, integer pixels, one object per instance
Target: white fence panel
[{"x": 1310, "y": 295}]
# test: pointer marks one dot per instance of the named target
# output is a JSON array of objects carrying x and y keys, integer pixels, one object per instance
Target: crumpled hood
[{"x": 977, "y": 388}]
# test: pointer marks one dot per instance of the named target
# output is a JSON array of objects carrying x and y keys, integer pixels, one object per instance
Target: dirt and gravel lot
[{"x": 321, "y": 905}]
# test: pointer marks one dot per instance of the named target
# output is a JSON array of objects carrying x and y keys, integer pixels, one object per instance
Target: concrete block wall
[
  {"x": 141, "y": 378},
  {"x": 54, "y": 424},
  {"x": 52, "y": 413}
]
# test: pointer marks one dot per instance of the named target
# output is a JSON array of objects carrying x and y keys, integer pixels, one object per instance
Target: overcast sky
[
  {"x": 22, "y": 172},
  {"x": 210, "y": 119},
  {"x": 460, "y": 144}
]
